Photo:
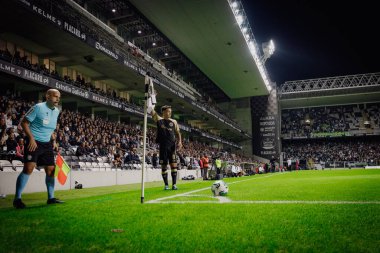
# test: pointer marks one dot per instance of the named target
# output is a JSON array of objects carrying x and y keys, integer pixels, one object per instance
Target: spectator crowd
[
  {"x": 121, "y": 143},
  {"x": 344, "y": 133}
]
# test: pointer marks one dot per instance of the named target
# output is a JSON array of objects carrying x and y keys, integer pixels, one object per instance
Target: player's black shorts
[
  {"x": 167, "y": 154},
  {"x": 43, "y": 155}
]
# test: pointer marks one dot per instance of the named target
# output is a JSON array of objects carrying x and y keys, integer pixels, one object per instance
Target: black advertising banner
[
  {"x": 265, "y": 126},
  {"x": 267, "y": 136},
  {"x": 62, "y": 86},
  {"x": 105, "y": 50},
  {"x": 62, "y": 24}
]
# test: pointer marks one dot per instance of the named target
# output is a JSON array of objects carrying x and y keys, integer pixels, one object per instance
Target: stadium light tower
[
  {"x": 268, "y": 49},
  {"x": 246, "y": 30}
]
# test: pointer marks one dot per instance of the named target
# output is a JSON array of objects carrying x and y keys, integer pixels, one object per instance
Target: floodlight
[
  {"x": 268, "y": 50},
  {"x": 239, "y": 19},
  {"x": 242, "y": 20}
]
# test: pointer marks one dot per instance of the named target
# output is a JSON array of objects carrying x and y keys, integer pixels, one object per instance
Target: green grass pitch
[{"x": 304, "y": 211}]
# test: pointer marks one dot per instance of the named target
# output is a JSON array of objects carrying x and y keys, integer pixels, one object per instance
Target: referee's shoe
[
  {"x": 54, "y": 201},
  {"x": 18, "y": 204}
]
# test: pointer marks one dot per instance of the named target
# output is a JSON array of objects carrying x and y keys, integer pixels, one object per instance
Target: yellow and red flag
[{"x": 61, "y": 169}]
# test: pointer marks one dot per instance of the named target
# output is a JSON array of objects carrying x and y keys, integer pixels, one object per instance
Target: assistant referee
[{"x": 39, "y": 124}]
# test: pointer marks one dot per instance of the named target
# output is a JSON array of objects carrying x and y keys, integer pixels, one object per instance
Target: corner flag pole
[
  {"x": 147, "y": 83},
  {"x": 150, "y": 101}
]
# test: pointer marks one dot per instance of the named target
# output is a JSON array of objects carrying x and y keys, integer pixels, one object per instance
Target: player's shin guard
[
  {"x": 174, "y": 175},
  {"x": 164, "y": 173}
]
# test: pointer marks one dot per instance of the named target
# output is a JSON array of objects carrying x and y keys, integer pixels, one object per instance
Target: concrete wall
[
  {"x": 240, "y": 111},
  {"x": 88, "y": 179}
]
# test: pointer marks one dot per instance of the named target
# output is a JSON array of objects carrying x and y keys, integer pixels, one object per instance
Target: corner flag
[
  {"x": 150, "y": 94},
  {"x": 61, "y": 169}
]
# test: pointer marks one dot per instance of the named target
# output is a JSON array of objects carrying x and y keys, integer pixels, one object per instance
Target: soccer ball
[{"x": 219, "y": 188}]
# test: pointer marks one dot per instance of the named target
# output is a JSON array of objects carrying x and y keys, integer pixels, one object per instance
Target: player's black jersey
[{"x": 165, "y": 132}]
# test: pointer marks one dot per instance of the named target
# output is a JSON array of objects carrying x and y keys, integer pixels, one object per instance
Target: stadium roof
[
  {"x": 207, "y": 33},
  {"x": 34, "y": 34},
  {"x": 362, "y": 88}
]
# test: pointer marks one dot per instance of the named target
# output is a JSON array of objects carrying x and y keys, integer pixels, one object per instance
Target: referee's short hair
[{"x": 163, "y": 108}]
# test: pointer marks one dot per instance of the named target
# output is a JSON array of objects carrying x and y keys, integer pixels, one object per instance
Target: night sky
[{"x": 316, "y": 39}]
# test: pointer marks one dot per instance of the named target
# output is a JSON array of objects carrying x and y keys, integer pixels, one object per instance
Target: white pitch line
[
  {"x": 200, "y": 195},
  {"x": 221, "y": 199},
  {"x": 265, "y": 202},
  {"x": 225, "y": 200},
  {"x": 175, "y": 196},
  {"x": 202, "y": 189}
]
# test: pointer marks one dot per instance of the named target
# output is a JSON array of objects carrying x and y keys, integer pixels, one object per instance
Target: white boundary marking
[
  {"x": 225, "y": 200},
  {"x": 333, "y": 202},
  {"x": 160, "y": 200}
]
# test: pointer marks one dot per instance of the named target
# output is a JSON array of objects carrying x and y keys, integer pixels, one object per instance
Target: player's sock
[
  {"x": 165, "y": 177},
  {"x": 22, "y": 179},
  {"x": 50, "y": 181},
  {"x": 174, "y": 177}
]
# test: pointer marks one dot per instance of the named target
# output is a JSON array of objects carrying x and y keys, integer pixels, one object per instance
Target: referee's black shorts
[
  {"x": 42, "y": 156},
  {"x": 167, "y": 154}
]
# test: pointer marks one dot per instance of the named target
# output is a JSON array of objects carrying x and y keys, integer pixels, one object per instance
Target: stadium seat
[
  {"x": 88, "y": 158},
  {"x": 82, "y": 165},
  {"x": 67, "y": 158},
  {"x": 108, "y": 166},
  {"x": 103, "y": 159},
  {"x": 101, "y": 166},
  {"x": 6, "y": 165},
  {"x": 89, "y": 166},
  {"x": 95, "y": 166},
  {"x": 18, "y": 165},
  {"x": 127, "y": 166},
  {"x": 74, "y": 165},
  {"x": 70, "y": 152}
]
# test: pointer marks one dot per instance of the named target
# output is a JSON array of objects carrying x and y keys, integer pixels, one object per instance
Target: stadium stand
[
  {"x": 119, "y": 138},
  {"x": 332, "y": 133},
  {"x": 351, "y": 120},
  {"x": 101, "y": 75}
]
